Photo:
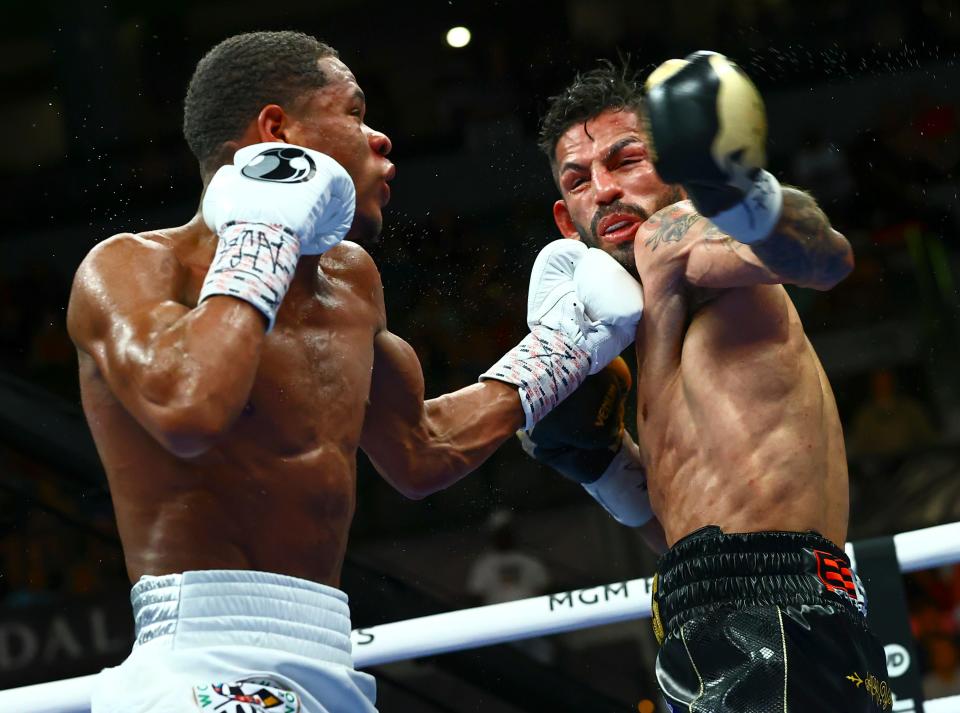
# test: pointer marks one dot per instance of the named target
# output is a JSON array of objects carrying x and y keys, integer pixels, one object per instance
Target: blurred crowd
[
  {"x": 55, "y": 539},
  {"x": 934, "y": 600}
]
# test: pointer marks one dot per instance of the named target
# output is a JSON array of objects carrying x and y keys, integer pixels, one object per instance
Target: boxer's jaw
[
  {"x": 331, "y": 120},
  {"x": 622, "y": 252}
]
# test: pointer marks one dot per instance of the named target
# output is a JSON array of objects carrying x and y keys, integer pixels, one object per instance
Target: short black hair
[
  {"x": 608, "y": 86},
  {"x": 240, "y": 76}
]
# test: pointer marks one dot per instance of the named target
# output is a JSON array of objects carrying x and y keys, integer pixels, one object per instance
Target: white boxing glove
[
  {"x": 622, "y": 488},
  {"x": 613, "y": 302},
  {"x": 572, "y": 334},
  {"x": 300, "y": 189},
  {"x": 276, "y": 202}
]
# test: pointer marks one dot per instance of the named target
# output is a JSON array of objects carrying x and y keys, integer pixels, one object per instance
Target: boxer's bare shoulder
[
  {"x": 124, "y": 269},
  {"x": 124, "y": 253},
  {"x": 349, "y": 259},
  {"x": 149, "y": 246}
]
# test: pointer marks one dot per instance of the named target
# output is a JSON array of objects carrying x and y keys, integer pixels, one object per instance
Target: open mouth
[{"x": 615, "y": 229}]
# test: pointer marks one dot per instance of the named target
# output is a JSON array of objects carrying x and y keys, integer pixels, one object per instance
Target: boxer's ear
[
  {"x": 561, "y": 216},
  {"x": 272, "y": 124}
]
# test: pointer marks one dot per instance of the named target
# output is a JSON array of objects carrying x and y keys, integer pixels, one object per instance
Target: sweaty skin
[
  {"x": 736, "y": 418},
  {"x": 735, "y": 413},
  {"x": 229, "y": 448}
]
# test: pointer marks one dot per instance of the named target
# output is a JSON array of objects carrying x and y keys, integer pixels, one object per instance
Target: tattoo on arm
[
  {"x": 670, "y": 228},
  {"x": 803, "y": 248},
  {"x": 713, "y": 233}
]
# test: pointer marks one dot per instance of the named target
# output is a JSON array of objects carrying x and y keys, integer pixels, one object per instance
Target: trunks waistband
[
  {"x": 208, "y": 608},
  {"x": 709, "y": 568}
]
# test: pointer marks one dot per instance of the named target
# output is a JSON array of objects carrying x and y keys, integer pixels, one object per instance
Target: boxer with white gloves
[
  {"x": 755, "y": 604},
  {"x": 231, "y": 368}
]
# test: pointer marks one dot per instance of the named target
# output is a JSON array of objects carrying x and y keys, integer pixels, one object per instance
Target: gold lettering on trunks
[{"x": 879, "y": 690}]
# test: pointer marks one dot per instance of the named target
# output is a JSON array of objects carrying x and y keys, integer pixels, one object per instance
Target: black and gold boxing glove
[
  {"x": 707, "y": 130},
  {"x": 584, "y": 440}
]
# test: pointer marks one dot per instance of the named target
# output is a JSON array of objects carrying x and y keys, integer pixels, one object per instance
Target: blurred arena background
[{"x": 864, "y": 107}]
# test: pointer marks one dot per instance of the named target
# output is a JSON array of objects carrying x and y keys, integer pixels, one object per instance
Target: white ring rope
[{"x": 510, "y": 621}]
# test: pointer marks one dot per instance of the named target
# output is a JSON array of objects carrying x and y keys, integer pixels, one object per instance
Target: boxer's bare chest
[
  {"x": 313, "y": 380},
  {"x": 660, "y": 334}
]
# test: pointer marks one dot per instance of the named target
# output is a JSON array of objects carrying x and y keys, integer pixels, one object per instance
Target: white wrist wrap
[
  {"x": 754, "y": 218},
  {"x": 622, "y": 489},
  {"x": 546, "y": 366},
  {"x": 254, "y": 262}
]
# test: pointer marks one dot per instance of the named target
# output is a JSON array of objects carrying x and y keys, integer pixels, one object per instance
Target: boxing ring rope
[{"x": 510, "y": 621}]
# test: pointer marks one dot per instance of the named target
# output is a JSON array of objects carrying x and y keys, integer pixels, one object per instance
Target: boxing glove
[
  {"x": 586, "y": 294},
  {"x": 707, "y": 131},
  {"x": 584, "y": 440},
  {"x": 580, "y": 437},
  {"x": 582, "y": 310},
  {"x": 274, "y": 203}
]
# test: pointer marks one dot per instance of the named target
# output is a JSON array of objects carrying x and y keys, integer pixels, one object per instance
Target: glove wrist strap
[
  {"x": 254, "y": 262},
  {"x": 622, "y": 488},
  {"x": 754, "y": 218},
  {"x": 546, "y": 366}
]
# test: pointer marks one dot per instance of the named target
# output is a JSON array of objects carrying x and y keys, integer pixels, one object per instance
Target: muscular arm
[
  {"x": 421, "y": 446},
  {"x": 802, "y": 250},
  {"x": 184, "y": 374}
]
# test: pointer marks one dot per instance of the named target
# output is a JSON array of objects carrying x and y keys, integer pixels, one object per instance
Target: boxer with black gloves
[
  {"x": 231, "y": 367},
  {"x": 755, "y": 607},
  {"x": 584, "y": 439}
]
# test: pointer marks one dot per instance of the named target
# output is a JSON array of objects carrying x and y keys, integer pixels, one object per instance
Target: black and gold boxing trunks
[{"x": 762, "y": 622}]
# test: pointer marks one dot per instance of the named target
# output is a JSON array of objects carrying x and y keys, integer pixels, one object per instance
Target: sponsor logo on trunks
[
  {"x": 838, "y": 578},
  {"x": 289, "y": 164},
  {"x": 877, "y": 689},
  {"x": 246, "y": 696}
]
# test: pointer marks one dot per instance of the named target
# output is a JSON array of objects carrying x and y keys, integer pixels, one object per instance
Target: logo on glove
[{"x": 289, "y": 164}]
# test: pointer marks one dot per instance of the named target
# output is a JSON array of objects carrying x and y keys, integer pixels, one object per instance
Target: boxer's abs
[
  {"x": 276, "y": 493},
  {"x": 739, "y": 422}
]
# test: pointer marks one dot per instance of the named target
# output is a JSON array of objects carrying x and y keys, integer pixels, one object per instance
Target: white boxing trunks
[{"x": 236, "y": 641}]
